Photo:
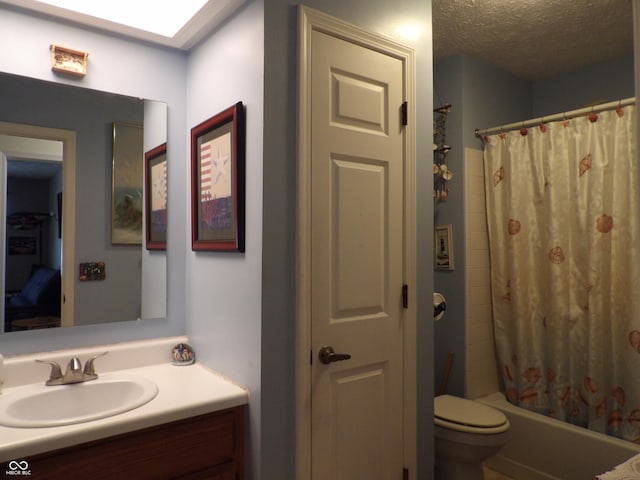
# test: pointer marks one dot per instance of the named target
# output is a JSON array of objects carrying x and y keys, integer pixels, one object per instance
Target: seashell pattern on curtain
[{"x": 564, "y": 232}]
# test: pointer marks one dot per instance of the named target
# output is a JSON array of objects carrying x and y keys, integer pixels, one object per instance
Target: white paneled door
[{"x": 357, "y": 253}]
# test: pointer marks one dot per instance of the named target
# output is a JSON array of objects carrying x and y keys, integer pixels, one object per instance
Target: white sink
[{"x": 41, "y": 406}]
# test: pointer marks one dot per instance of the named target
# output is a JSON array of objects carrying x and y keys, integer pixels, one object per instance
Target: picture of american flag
[
  {"x": 215, "y": 168},
  {"x": 218, "y": 182},
  {"x": 159, "y": 186},
  {"x": 215, "y": 184}
]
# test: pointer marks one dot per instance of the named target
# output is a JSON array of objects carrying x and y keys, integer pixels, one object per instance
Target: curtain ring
[
  {"x": 543, "y": 126},
  {"x": 523, "y": 130},
  {"x": 619, "y": 110},
  {"x": 593, "y": 116}
]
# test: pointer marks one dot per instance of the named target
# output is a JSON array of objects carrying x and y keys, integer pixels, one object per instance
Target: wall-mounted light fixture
[{"x": 66, "y": 60}]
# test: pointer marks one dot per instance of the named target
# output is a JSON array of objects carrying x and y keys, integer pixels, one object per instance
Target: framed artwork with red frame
[
  {"x": 155, "y": 171},
  {"x": 218, "y": 182}
]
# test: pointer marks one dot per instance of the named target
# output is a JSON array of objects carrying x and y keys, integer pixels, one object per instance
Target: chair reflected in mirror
[{"x": 37, "y": 305}]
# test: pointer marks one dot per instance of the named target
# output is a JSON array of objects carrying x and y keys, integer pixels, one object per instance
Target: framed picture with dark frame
[
  {"x": 443, "y": 248},
  {"x": 155, "y": 172},
  {"x": 218, "y": 182}
]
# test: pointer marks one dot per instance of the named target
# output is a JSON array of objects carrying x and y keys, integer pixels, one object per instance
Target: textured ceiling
[{"x": 533, "y": 39}]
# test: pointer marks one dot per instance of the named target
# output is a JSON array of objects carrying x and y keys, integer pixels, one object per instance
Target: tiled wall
[{"x": 481, "y": 373}]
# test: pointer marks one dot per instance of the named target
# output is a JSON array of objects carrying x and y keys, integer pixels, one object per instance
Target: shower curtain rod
[{"x": 558, "y": 116}]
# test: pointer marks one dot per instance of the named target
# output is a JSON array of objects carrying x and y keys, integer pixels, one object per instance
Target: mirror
[{"x": 65, "y": 223}]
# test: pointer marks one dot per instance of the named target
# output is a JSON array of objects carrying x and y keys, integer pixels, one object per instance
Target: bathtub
[{"x": 542, "y": 448}]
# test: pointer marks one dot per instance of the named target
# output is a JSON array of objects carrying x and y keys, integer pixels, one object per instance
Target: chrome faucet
[{"x": 74, "y": 372}]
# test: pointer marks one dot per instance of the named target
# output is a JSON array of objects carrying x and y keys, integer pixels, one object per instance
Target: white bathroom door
[{"x": 357, "y": 254}]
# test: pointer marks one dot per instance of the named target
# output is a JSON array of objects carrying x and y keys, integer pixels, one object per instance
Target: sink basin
[{"x": 33, "y": 406}]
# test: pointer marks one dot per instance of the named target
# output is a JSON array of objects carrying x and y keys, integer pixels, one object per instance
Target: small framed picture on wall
[{"x": 443, "y": 248}]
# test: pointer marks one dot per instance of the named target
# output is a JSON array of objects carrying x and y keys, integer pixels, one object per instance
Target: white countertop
[{"x": 183, "y": 391}]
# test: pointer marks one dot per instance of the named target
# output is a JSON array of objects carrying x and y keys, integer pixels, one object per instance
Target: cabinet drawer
[{"x": 210, "y": 445}]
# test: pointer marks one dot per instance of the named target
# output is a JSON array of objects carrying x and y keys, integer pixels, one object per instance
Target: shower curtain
[{"x": 564, "y": 232}]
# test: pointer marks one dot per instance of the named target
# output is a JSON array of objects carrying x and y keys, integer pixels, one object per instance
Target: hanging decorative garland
[{"x": 441, "y": 173}]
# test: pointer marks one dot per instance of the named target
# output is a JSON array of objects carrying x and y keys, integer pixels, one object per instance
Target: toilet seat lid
[{"x": 463, "y": 411}]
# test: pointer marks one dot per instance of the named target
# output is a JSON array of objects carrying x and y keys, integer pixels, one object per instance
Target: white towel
[{"x": 629, "y": 470}]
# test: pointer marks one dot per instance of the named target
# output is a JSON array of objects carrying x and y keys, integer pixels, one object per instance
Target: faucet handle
[
  {"x": 56, "y": 372},
  {"x": 88, "y": 366}
]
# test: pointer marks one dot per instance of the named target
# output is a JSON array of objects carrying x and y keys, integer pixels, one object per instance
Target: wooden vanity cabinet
[{"x": 209, "y": 446}]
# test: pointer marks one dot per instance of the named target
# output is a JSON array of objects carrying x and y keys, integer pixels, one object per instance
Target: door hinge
[
  {"x": 405, "y": 296},
  {"x": 405, "y": 474},
  {"x": 405, "y": 113}
]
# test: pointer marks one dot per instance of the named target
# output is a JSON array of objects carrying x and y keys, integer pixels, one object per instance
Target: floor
[{"x": 492, "y": 475}]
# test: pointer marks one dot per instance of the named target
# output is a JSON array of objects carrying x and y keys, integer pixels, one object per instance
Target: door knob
[{"x": 327, "y": 355}]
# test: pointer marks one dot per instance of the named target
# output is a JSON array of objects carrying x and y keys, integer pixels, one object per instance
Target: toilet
[{"x": 466, "y": 434}]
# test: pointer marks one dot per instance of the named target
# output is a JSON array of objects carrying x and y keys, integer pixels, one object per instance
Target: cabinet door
[
  {"x": 208, "y": 446},
  {"x": 221, "y": 472}
]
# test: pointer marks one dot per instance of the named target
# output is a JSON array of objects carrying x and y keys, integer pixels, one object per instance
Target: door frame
[
  {"x": 310, "y": 20},
  {"x": 68, "y": 139},
  {"x": 3, "y": 230}
]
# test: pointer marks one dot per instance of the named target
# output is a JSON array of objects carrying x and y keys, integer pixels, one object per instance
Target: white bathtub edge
[
  {"x": 514, "y": 469},
  {"x": 542, "y": 448}
]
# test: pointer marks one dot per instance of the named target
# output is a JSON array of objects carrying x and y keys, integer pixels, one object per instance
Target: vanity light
[{"x": 66, "y": 60}]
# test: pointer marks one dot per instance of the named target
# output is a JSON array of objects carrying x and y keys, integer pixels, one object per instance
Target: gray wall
[
  {"x": 603, "y": 82},
  {"x": 480, "y": 95},
  {"x": 449, "y": 332},
  {"x": 223, "y": 315}
]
